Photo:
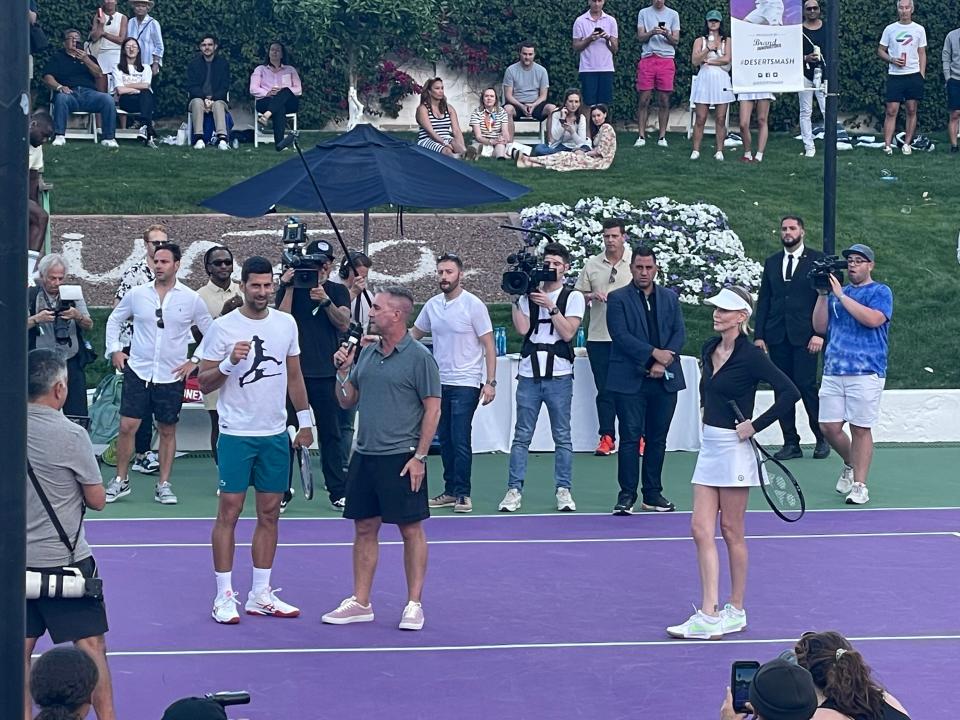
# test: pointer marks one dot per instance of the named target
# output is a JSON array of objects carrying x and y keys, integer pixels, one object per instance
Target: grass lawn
[{"x": 911, "y": 223}]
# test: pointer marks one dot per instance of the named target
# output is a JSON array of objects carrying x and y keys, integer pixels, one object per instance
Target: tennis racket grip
[
  {"x": 292, "y": 432},
  {"x": 736, "y": 410}
]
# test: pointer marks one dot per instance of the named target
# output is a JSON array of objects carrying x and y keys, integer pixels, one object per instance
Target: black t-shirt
[
  {"x": 811, "y": 38},
  {"x": 69, "y": 71},
  {"x": 319, "y": 338}
]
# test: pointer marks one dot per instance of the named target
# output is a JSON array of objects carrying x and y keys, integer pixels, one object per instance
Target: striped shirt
[
  {"x": 491, "y": 123},
  {"x": 441, "y": 126}
]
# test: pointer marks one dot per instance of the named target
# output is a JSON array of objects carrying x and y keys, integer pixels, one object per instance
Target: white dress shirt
[
  {"x": 796, "y": 253},
  {"x": 155, "y": 351}
]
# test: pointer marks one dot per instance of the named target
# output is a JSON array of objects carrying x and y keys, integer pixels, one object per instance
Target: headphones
[{"x": 354, "y": 257}]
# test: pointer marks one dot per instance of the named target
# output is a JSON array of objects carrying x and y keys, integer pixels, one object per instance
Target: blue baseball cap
[
  {"x": 859, "y": 249},
  {"x": 714, "y": 15}
]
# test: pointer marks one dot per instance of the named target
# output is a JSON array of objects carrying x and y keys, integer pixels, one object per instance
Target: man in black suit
[
  {"x": 784, "y": 329},
  {"x": 644, "y": 377}
]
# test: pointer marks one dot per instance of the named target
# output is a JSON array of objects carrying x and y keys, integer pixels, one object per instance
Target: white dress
[
  {"x": 711, "y": 85},
  {"x": 107, "y": 51}
]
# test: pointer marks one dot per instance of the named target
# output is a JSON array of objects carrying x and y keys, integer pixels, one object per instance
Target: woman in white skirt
[
  {"x": 726, "y": 467},
  {"x": 748, "y": 102},
  {"x": 108, "y": 30},
  {"x": 711, "y": 86}
]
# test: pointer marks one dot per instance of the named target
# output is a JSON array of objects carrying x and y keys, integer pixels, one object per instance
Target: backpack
[{"x": 105, "y": 409}]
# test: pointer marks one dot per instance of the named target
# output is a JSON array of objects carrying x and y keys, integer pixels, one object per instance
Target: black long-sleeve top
[{"x": 737, "y": 380}]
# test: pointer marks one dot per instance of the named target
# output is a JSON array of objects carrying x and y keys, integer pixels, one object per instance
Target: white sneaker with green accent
[
  {"x": 511, "y": 501},
  {"x": 733, "y": 620},
  {"x": 845, "y": 481},
  {"x": 858, "y": 495},
  {"x": 565, "y": 501},
  {"x": 698, "y": 626},
  {"x": 163, "y": 494}
]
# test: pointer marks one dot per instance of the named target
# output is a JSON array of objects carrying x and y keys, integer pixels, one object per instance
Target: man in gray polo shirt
[{"x": 396, "y": 385}]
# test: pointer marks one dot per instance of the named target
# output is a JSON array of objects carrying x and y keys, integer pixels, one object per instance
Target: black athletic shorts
[
  {"x": 140, "y": 397},
  {"x": 904, "y": 87},
  {"x": 953, "y": 95},
  {"x": 375, "y": 488},
  {"x": 68, "y": 619},
  {"x": 537, "y": 113}
]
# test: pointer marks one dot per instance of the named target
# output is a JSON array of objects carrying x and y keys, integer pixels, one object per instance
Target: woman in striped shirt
[
  {"x": 439, "y": 127},
  {"x": 490, "y": 126}
]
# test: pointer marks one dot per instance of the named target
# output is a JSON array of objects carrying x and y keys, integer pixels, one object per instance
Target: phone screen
[{"x": 741, "y": 676}]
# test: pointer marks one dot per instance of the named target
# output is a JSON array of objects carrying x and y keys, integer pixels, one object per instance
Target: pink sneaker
[
  {"x": 349, "y": 611},
  {"x": 412, "y": 618}
]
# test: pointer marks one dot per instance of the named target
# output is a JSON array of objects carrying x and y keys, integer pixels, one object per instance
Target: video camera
[
  {"x": 66, "y": 582},
  {"x": 822, "y": 269},
  {"x": 295, "y": 255},
  {"x": 525, "y": 272}
]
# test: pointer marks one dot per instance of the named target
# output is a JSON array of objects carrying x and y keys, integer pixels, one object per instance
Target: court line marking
[
  {"x": 540, "y": 541},
  {"x": 511, "y": 646},
  {"x": 504, "y": 516}
]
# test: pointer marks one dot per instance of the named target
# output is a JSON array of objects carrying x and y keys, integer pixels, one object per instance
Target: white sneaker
[
  {"x": 267, "y": 603},
  {"x": 199, "y": 145},
  {"x": 225, "y": 608},
  {"x": 349, "y": 611},
  {"x": 758, "y": 157},
  {"x": 565, "y": 501},
  {"x": 845, "y": 481},
  {"x": 163, "y": 494},
  {"x": 117, "y": 489},
  {"x": 858, "y": 494},
  {"x": 732, "y": 620},
  {"x": 906, "y": 150},
  {"x": 810, "y": 152},
  {"x": 235, "y": 144},
  {"x": 511, "y": 501},
  {"x": 640, "y": 142},
  {"x": 147, "y": 464},
  {"x": 412, "y": 618},
  {"x": 887, "y": 150},
  {"x": 222, "y": 145},
  {"x": 112, "y": 144},
  {"x": 718, "y": 155},
  {"x": 59, "y": 140},
  {"x": 695, "y": 155},
  {"x": 142, "y": 133},
  {"x": 698, "y": 626},
  {"x": 662, "y": 142}
]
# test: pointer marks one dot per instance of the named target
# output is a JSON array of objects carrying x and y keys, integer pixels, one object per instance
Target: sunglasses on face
[
  {"x": 812, "y": 8},
  {"x": 221, "y": 263},
  {"x": 160, "y": 318}
]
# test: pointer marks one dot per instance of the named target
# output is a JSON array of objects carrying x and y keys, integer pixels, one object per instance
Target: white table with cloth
[{"x": 493, "y": 424}]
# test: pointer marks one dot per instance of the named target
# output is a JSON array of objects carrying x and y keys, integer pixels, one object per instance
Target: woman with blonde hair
[{"x": 726, "y": 465}]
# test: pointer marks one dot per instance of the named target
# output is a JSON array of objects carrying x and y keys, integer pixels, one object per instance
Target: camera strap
[
  {"x": 555, "y": 349},
  {"x": 71, "y": 547}
]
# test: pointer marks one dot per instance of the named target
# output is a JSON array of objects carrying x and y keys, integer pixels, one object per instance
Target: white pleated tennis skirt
[{"x": 725, "y": 460}]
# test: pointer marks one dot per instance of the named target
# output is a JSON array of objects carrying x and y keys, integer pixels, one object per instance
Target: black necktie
[{"x": 789, "y": 273}]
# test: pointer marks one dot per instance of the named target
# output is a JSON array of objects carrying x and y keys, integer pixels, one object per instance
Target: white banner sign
[{"x": 767, "y": 38}]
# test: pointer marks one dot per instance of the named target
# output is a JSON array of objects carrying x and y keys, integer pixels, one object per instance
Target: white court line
[
  {"x": 507, "y": 516},
  {"x": 790, "y": 642},
  {"x": 543, "y": 541}
]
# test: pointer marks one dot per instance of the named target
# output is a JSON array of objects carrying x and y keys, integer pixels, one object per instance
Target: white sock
[
  {"x": 224, "y": 582},
  {"x": 748, "y": 156},
  {"x": 758, "y": 157},
  {"x": 261, "y": 580}
]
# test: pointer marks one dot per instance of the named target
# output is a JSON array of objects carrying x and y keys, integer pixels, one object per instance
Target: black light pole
[
  {"x": 14, "y": 110},
  {"x": 832, "y": 59}
]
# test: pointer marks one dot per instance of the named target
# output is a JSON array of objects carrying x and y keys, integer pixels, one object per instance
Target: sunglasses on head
[{"x": 449, "y": 256}]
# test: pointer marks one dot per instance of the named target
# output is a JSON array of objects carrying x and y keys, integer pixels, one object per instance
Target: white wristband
[
  {"x": 304, "y": 418},
  {"x": 227, "y": 367}
]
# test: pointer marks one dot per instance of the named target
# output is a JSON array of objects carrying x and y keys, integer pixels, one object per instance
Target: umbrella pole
[{"x": 366, "y": 232}]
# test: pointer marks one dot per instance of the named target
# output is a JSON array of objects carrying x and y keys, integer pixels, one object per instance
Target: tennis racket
[
  {"x": 303, "y": 461},
  {"x": 780, "y": 488}
]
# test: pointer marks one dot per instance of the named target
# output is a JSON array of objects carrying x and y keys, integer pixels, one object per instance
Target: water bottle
[
  {"x": 817, "y": 78},
  {"x": 500, "y": 340},
  {"x": 581, "y": 338}
]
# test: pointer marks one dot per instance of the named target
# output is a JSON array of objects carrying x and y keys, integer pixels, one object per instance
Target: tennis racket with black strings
[{"x": 780, "y": 488}]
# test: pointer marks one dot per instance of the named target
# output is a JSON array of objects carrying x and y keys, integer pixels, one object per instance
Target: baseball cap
[
  {"x": 727, "y": 299},
  {"x": 714, "y": 15},
  {"x": 783, "y": 691},
  {"x": 195, "y": 708},
  {"x": 859, "y": 249},
  {"x": 320, "y": 247}
]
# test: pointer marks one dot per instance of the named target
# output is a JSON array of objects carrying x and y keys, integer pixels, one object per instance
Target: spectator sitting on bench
[
  {"x": 525, "y": 87},
  {"x": 208, "y": 81},
  {"x": 72, "y": 75},
  {"x": 131, "y": 85},
  {"x": 276, "y": 87}
]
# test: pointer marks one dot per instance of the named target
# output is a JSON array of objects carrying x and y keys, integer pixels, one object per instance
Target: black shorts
[
  {"x": 68, "y": 619},
  {"x": 537, "y": 112},
  {"x": 904, "y": 87},
  {"x": 140, "y": 397},
  {"x": 375, "y": 488},
  {"x": 953, "y": 95}
]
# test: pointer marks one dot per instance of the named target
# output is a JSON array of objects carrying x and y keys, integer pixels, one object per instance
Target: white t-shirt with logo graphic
[
  {"x": 253, "y": 399},
  {"x": 546, "y": 333},
  {"x": 899, "y": 39}
]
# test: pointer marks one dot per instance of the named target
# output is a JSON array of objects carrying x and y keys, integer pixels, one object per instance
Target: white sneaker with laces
[
  {"x": 199, "y": 145},
  {"x": 906, "y": 149},
  {"x": 147, "y": 464},
  {"x": 267, "y": 603},
  {"x": 732, "y": 620},
  {"x": 695, "y": 155},
  {"x": 59, "y": 140},
  {"x": 222, "y": 145},
  {"x": 111, "y": 143},
  {"x": 698, "y": 626},
  {"x": 565, "y": 501},
  {"x": 662, "y": 142},
  {"x": 858, "y": 494},
  {"x": 225, "y": 608},
  {"x": 758, "y": 157},
  {"x": 511, "y": 501},
  {"x": 718, "y": 155},
  {"x": 641, "y": 141},
  {"x": 887, "y": 150},
  {"x": 845, "y": 481},
  {"x": 810, "y": 152},
  {"x": 117, "y": 489},
  {"x": 412, "y": 618},
  {"x": 163, "y": 494}
]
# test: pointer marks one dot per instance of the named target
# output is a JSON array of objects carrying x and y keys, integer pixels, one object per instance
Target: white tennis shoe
[
  {"x": 267, "y": 603},
  {"x": 732, "y": 620},
  {"x": 845, "y": 481},
  {"x": 858, "y": 495},
  {"x": 698, "y": 626},
  {"x": 225, "y": 608}
]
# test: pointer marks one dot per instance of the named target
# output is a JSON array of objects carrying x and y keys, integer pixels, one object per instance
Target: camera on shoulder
[{"x": 525, "y": 270}]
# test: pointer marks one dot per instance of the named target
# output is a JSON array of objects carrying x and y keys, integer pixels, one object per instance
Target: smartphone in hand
[{"x": 741, "y": 675}]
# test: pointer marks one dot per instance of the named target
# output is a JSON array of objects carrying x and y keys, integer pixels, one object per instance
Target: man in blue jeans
[
  {"x": 548, "y": 318},
  {"x": 462, "y": 346},
  {"x": 72, "y": 75}
]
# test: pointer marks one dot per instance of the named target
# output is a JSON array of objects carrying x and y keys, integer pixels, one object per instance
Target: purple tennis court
[{"x": 533, "y": 616}]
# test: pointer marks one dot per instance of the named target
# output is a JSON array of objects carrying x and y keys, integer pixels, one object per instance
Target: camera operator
[
  {"x": 780, "y": 690},
  {"x": 322, "y": 313},
  {"x": 60, "y": 457},
  {"x": 548, "y": 318},
  {"x": 56, "y": 324},
  {"x": 855, "y": 366}
]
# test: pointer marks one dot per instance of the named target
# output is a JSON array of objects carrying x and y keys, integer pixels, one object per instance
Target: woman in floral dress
[{"x": 599, "y": 158}]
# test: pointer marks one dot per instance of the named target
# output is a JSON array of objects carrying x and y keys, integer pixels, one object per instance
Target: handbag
[{"x": 38, "y": 39}]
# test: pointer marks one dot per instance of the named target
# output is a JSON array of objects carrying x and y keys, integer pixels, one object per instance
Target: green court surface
[{"x": 902, "y": 476}]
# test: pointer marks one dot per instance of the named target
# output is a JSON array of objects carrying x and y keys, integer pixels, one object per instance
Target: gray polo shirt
[
  {"x": 62, "y": 459},
  {"x": 951, "y": 55},
  {"x": 392, "y": 389}
]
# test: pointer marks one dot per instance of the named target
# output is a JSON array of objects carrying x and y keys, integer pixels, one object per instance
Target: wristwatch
[
  {"x": 554, "y": 311},
  {"x": 421, "y": 458},
  {"x": 325, "y": 302},
  {"x": 491, "y": 383}
]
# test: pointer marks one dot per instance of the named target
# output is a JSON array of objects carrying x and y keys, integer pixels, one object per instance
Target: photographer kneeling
[
  {"x": 58, "y": 323},
  {"x": 63, "y": 480}
]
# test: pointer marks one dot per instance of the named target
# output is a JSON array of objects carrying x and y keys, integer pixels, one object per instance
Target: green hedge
[{"x": 481, "y": 37}]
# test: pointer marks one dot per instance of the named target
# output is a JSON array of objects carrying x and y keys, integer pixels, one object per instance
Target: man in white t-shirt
[
  {"x": 252, "y": 356},
  {"x": 463, "y": 348},
  {"x": 546, "y": 376},
  {"x": 903, "y": 46}
]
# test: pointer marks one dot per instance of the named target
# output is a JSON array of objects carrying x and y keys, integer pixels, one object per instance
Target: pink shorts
[{"x": 655, "y": 73}]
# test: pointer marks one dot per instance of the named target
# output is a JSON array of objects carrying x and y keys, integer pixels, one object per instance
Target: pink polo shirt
[
  {"x": 597, "y": 56},
  {"x": 265, "y": 78}
]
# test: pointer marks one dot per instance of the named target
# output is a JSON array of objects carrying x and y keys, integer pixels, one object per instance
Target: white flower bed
[{"x": 697, "y": 252}]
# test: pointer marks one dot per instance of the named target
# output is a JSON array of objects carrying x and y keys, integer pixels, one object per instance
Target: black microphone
[{"x": 287, "y": 141}]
